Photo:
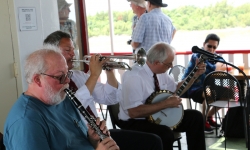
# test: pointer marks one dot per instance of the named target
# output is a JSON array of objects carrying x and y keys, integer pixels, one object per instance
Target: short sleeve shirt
[{"x": 153, "y": 27}]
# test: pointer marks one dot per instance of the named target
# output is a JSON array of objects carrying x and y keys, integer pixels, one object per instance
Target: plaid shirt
[{"x": 153, "y": 27}]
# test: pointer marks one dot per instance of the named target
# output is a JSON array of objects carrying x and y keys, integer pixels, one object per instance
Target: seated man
[
  {"x": 196, "y": 90},
  {"x": 139, "y": 83},
  {"x": 42, "y": 118},
  {"x": 89, "y": 91}
]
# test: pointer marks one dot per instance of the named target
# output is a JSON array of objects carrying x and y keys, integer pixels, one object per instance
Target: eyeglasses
[
  {"x": 168, "y": 65},
  {"x": 62, "y": 77},
  {"x": 211, "y": 46}
]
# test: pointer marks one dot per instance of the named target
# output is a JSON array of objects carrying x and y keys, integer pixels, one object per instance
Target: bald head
[{"x": 160, "y": 52}]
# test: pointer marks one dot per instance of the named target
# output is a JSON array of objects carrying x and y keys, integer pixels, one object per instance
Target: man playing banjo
[{"x": 141, "y": 82}]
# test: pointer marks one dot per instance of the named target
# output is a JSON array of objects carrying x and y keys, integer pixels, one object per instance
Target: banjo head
[{"x": 170, "y": 117}]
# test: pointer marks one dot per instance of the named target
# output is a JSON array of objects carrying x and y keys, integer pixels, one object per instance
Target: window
[
  {"x": 102, "y": 39},
  {"x": 67, "y": 19}
]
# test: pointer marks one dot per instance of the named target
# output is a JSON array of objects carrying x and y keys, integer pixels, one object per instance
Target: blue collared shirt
[{"x": 198, "y": 83}]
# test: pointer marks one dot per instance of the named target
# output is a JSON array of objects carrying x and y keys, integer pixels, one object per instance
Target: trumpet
[{"x": 139, "y": 57}]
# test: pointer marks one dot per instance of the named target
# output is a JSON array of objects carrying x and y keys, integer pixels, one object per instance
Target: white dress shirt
[
  {"x": 138, "y": 85},
  {"x": 103, "y": 93}
]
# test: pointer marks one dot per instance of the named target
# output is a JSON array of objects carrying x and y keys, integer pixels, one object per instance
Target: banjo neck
[{"x": 189, "y": 77}]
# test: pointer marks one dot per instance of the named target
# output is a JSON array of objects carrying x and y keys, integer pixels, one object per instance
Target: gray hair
[
  {"x": 160, "y": 52},
  {"x": 139, "y": 3},
  {"x": 36, "y": 62}
]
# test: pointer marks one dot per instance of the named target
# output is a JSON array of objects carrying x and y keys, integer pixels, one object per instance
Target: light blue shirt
[
  {"x": 153, "y": 27},
  {"x": 33, "y": 125}
]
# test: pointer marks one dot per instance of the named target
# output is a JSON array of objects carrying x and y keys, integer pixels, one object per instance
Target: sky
[
  {"x": 121, "y": 5},
  {"x": 94, "y": 6}
]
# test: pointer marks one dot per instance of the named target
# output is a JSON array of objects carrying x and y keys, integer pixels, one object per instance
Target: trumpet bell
[{"x": 141, "y": 57}]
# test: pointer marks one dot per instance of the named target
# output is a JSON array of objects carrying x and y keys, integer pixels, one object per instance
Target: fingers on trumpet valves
[{"x": 98, "y": 57}]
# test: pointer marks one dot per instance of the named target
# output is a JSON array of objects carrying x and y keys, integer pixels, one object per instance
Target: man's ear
[
  {"x": 156, "y": 62},
  {"x": 148, "y": 4},
  {"x": 37, "y": 79}
]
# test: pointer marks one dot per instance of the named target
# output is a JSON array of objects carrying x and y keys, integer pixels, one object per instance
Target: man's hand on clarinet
[{"x": 107, "y": 143}]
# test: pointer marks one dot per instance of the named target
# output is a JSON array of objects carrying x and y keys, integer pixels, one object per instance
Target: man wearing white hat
[
  {"x": 153, "y": 27},
  {"x": 139, "y": 8},
  {"x": 67, "y": 25}
]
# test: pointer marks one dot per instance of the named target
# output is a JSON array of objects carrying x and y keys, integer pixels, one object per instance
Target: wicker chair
[{"x": 223, "y": 90}]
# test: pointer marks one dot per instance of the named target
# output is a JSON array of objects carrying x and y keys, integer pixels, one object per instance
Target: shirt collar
[
  {"x": 156, "y": 10},
  {"x": 148, "y": 70}
]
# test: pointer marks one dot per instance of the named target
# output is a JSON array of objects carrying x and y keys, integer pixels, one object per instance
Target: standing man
[
  {"x": 67, "y": 25},
  {"x": 139, "y": 8},
  {"x": 153, "y": 27},
  {"x": 89, "y": 91},
  {"x": 42, "y": 119},
  {"x": 196, "y": 91},
  {"x": 141, "y": 82}
]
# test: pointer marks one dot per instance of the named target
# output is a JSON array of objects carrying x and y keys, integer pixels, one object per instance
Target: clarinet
[{"x": 85, "y": 114}]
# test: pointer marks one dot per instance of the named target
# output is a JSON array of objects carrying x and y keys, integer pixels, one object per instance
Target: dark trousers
[
  {"x": 135, "y": 140},
  {"x": 192, "y": 123}
]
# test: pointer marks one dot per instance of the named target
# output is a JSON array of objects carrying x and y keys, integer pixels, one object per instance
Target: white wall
[{"x": 47, "y": 22}]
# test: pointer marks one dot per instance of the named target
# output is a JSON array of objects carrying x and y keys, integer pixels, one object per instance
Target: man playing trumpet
[{"x": 88, "y": 91}]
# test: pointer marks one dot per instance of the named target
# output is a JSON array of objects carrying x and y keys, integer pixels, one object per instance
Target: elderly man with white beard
[{"x": 42, "y": 118}]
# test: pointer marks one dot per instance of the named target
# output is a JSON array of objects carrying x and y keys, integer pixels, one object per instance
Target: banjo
[{"x": 170, "y": 117}]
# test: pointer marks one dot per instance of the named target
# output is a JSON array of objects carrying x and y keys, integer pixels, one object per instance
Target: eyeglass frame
[{"x": 62, "y": 77}]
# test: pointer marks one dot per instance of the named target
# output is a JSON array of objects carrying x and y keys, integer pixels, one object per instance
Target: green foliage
[{"x": 218, "y": 16}]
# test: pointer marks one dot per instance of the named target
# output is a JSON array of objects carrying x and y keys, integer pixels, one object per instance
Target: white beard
[{"x": 55, "y": 98}]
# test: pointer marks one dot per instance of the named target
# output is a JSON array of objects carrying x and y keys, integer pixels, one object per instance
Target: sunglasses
[
  {"x": 211, "y": 46},
  {"x": 62, "y": 77}
]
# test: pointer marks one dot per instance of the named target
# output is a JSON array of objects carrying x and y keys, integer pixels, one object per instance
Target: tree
[{"x": 218, "y": 16}]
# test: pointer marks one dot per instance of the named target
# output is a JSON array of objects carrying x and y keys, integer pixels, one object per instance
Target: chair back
[
  {"x": 113, "y": 111},
  {"x": 2, "y": 147},
  {"x": 220, "y": 85},
  {"x": 177, "y": 72}
]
